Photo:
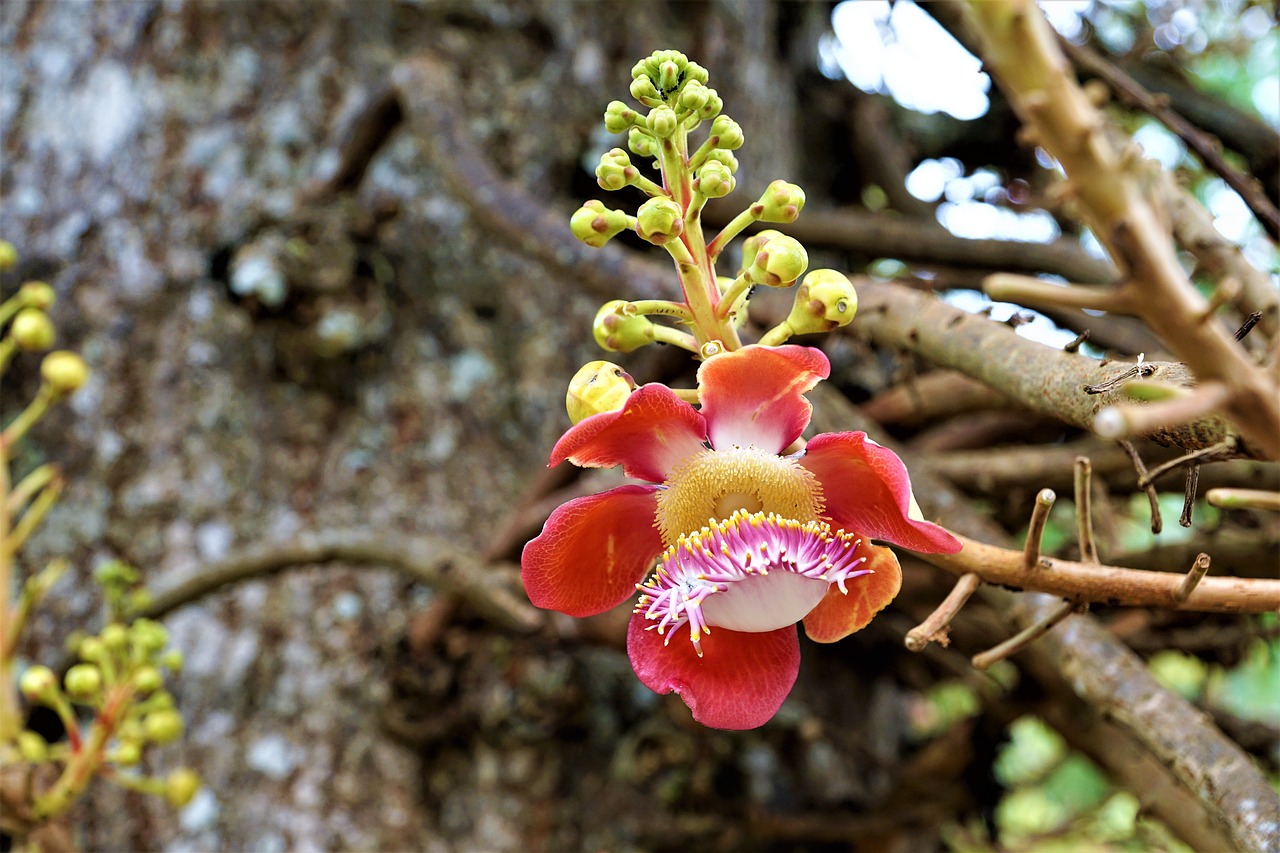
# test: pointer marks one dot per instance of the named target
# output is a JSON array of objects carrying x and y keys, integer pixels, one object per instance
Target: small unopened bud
[
  {"x": 727, "y": 133},
  {"x": 37, "y": 294},
  {"x": 617, "y": 327},
  {"x": 662, "y": 122},
  {"x": 643, "y": 90},
  {"x": 659, "y": 220},
  {"x": 126, "y": 754},
  {"x": 668, "y": 76},
  {"x": 714, "y": 180},
  {"x": 781, "y": 202},
  {"x": 825, "y": 300},
  {"x": 712, "y": 107},
  {"x": 694, "y": 96},
  {"x": 92, "y": 649},
  {"x": 181, "y": 785},
  {"x": 8, "y": 256},
  {"x": 148, "y": 634},
  {"x": 38, "y": 683},
  {"x": 171, "y": 660},
  {"x": 83, "y": 681},
  {"x": 694, "y": 71},
  {"x": 642, "y": 143},
  {"x": 599, "y": 386},
  {"x": 615, "y": 170},
  {"x": 779, "y": 262},
  {"x": 618, "y": 117},
  {"x": 32, "y": 747},
  {"x": 721, "y": 155},
  {"x": 148, "y": 679},
  {"x": 163, "y": 726},
  {"x": 64, "y": 371},
  {"x": 595, "y": 224},
  {"x": 753, "y": 244},
  {"x": 32, "y": 329},
  {"x": 115, "y": 636}
]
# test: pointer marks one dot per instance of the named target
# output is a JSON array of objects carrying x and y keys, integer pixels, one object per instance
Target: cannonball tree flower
[{"x": 728, "y": 542}]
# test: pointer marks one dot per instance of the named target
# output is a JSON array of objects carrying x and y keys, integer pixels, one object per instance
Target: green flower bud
[
  {"x": 181, "y": 785},
  {"x": 720, "y": 155},
  {"x": 714, "y": 180},
  {"x": 84, "y": 681},
  {"x": 38, "y": 683},
  {"x": 694, "y": 71},
  {"x": 642, "y": 143},
  {"x": 92, "y": 649},
  {"x": 64, "y": 371},
  {"x": 668, "y": 78},
  {"x": 32, "y": 329},
  {"x": 32, "y": 747},
  {"x": 753, "y": 244},
  {"x": 595, "y": 224},
  {"x": 779, "y": 262},
  {"x": 617, "y": 327},
  {"x": 149, "y": 634},
  {"x": 163, "y": 726},
  {"x": 148, "y": 679},
  {"x": 825, "y": 300},
  {"x": 727, "y": 133},
  {"x": 643, "y": 90},
  {"x": 8, "y": 256},
  {"x": 615, "y": 170},
  {"x": 160, "y": 700},
  {"x": 781, "y": 202},
  {"x": 127, "y": 753},
  {"x": 131, "y": 730},
  {"x": 618, "y": 117},
  {"x": 37, "y": 294},
  {"x": 712, "y": 107},
  {"x": 171, "y": 660},
  {"x": 115, "y": 636},
  {"x": 694, "y": 95},
  {"x": 659, "y": 220},
  {"x": 598, "y": 386},
  {"x": 662, "y": 122}
]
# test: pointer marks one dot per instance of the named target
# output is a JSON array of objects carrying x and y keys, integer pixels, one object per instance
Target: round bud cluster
[
  {"x": 659, "y": 220},
  {"x": 618, "y": 117},
  {"x": 32, "y": 329},
  {"x": 37, "y": 294},
  {"x": 726, "y": 133},
  {"x": 824, "y": 301},
  {"x": 662, "y": 122},
  {"x": 595, "y": 224},
  {"x": 725, "y": 158},
  {"x": 781, "y": 202},
  {"x": 642, "y": 143},
  {"x": 598, "y": 386},
  {"x": 65, "y": 372},
  {"x": 618, "y": 328},
  {"x": 714, "y": 180}
]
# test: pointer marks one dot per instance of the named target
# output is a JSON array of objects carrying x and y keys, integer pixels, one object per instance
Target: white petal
[{"x": 764, "y": 602}]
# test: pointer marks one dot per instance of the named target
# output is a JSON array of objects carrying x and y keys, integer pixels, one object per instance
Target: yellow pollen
[{"x": 709, "y": 487}]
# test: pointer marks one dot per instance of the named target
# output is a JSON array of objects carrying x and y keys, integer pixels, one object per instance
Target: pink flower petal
[
  {"x": 593, "y": 551},
  {"x": 755, "y": 395},
  {"x": 652, "y": 434},
  {"x": 739, "y": 683},
  {"x": 838, "y": 614},
  {"x": 867, "y": 490}
]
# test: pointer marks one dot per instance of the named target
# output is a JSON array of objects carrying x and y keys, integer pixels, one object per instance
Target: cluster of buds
[
  {"x": 118, "y": 675},
  {"x": 675, "y": 101}
]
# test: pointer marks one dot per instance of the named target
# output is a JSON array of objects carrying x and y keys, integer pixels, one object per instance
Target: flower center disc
[{"x": 715, "y": 483}]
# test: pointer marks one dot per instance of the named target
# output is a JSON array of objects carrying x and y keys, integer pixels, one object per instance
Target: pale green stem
[
  {"x": 32, "y": 591},
  {"x": 662, "y": 307},
  {"x": 7, "y": 348},
  {"x": 668, "y": 335},
  {"x": 689, "y": 395},
  {"x": 778, "y": 335},
  {"x": 85, "y": 763},
  {"x": 32, "y": 413},
  {"x": 32, "y": 483},
  {"x": 10, "y": 718},
  {"x": 648, "y": 187},
  {"x": 31, "y": 519},
  {"x": 733, "y": 229},
  {"x": 740, "y": 286}
]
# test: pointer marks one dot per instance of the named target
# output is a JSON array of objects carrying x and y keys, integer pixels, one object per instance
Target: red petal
[
  {"x": 593, "y": 551},
  {"x": 739, "y": 683},
  {"x": 867, "y": 491},
  {"x": 654, "y": 432},
  {"x": 838, "y": 615},
  {"x": 755, "y": 395}
]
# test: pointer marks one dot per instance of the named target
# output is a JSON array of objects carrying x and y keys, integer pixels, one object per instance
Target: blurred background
[{"x": 301, "y": 246}]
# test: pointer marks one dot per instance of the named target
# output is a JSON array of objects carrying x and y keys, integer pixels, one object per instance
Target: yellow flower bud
[
  {"x": 778, "y": 263},
  {"x": 781, "y": 202},
  {"x": 618, "y": 117},
  {"x": 115, "y": 635},
  {"x": 64, "y": 371},
  {"x": 32, "y": 329},
  {"x": 659, "y": 220},
  {"x": 642, "y": 143},
  {"x": 8, "y": 256},
  {"x": 126, "y": 754},
  {"x": 595, "y": 224},
  {"x": 37, "y": 294},
  {"x": 163, "y": 726},
  {"x": 615, "y": 170},
  {"x": 84, "y": 681},
  {"x": 38, "y": 683},
  {"x": 714, "y": 180},
  {"x": 32, "y": 747},
  {"x": 598, "y": 386},
  {"x": 727, "y": 133},
  {"x": 662, "y": 122},
  {"x": 148, "y": 679},
  {"x": 181, "y": 785},
  {"x": 617, "y": 327},
  {"x": 825, "y": 300}
]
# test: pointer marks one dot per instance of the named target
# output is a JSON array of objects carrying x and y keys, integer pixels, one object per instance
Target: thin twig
[
  {"x": 1025, "y": 637},
  {"x": 933, "y": 629},
  {"x": 1074, "y": 346},
  {"x": 1215, "y": 453},
  {"x": 1189, "y": 495},
  {"x": 1157, "y": 523},
  {"x": 1084, "y": 510},
  {"x": 1193, "y": 578},
  {"x": 1035, "y": 530}
]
